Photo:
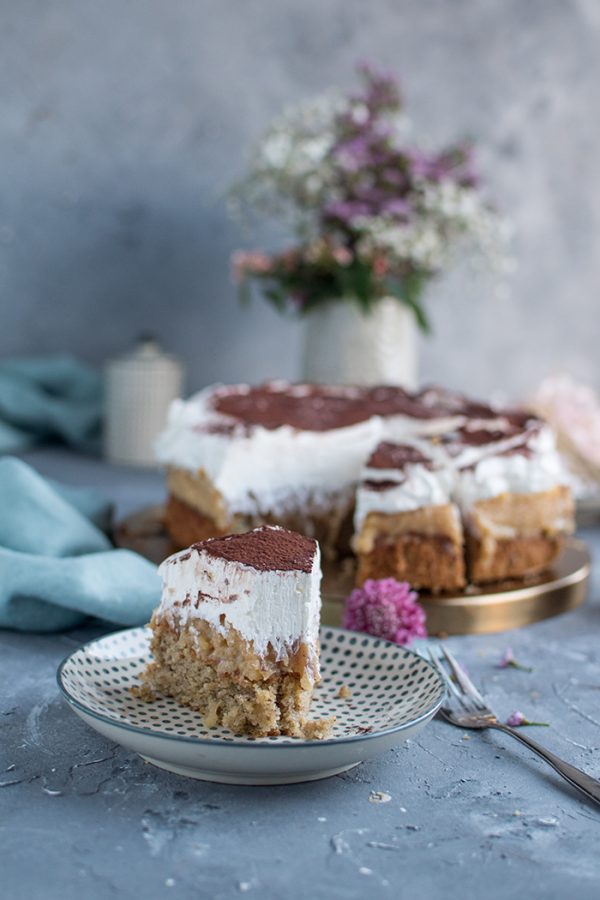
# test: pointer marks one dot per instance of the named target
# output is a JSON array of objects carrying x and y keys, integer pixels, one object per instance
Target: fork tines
[{"x": 458, "y": 682}]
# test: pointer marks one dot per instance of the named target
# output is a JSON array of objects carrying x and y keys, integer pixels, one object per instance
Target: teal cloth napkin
[
  {"x": 53, "y": 398},
  {"x": 56, "y": 566}
]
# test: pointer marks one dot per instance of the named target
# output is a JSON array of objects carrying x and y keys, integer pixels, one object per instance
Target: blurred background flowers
[
  {"x": 373, "y": 217},
  {"x": 125, "y": 124}
]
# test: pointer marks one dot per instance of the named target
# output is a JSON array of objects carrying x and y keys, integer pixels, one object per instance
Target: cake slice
[
  {"x": 500, "y": 481},
  {"x": 406, "y": 525},
  {"x": 236, "y": 633},
  {"x": 512, "y": 491}
]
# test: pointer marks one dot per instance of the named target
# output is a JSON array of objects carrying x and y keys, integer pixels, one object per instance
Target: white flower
[
  {"x": 275, "y": 149},
  {"x": 419, "y": 242},
  {"x": 294, "y": 175},
  {"x": 359, "y": 113}
]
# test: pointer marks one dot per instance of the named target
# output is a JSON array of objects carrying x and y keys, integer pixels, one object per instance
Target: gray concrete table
[{"x": 470, "y": 816}]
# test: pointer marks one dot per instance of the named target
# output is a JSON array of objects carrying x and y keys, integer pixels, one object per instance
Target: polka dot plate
[{"x": 379, "y": 692}]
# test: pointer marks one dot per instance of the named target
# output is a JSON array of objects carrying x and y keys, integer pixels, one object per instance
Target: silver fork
[{"x": 465, "y": 707}]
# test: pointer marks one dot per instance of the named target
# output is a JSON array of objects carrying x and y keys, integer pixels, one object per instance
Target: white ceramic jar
[{"x": 139, "y": 387}]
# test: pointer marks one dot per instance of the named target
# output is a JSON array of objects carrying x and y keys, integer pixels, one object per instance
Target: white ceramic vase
[{"x": 344, "y": 345}]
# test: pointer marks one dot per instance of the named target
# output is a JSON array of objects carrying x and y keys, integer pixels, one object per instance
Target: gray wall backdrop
[{"x": 123, "y": 121}]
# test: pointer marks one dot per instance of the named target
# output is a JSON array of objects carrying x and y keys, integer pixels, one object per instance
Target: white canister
[{"x": 139, "y": 387}]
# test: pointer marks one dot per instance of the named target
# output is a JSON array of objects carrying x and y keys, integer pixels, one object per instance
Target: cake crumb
[
  {"x": 344, "y": 692},
  {"x": 318, "y": 729},
  {"x": 379, "y": 797},
  {"x": 143, "y": 692}
]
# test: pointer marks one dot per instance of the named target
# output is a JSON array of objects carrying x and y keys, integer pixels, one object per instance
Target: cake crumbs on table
[
  {"x": 344, "y": 692},
  {"x": 379, "y": 797}
]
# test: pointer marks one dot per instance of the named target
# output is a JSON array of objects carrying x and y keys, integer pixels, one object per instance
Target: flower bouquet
[{"x": 373, "y": 217}]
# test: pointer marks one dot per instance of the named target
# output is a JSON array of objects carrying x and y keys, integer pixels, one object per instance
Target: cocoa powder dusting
[
  {"x": 310, "y": 407},
  {"x": 266, "y": 549}
]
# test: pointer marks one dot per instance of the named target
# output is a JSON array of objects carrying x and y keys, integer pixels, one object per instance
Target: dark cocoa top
[
  {"x": 309, "y": 407},
  {"x": 396, "y": 456},
  {"x": 382, "y": 485},
  {"x": 266, "y": 549},
  {"x": 518, "y": 428}
]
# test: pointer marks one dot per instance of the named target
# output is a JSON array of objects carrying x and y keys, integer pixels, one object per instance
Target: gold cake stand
[{"x": 476, "y": 610}]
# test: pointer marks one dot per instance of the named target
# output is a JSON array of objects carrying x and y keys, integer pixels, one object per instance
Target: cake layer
[
  {"x": 529, "y": 468},
  {"x": 423, "y": 546},
  {"x": 197, "y": 491},
  {"x": 264, "y": 584},
  {"x": 294, "y": 455},
  {"x": 432, "y": 563},
  {"x": 442, "y": 520},
  {"x": 230, "y": 685},
  {"x": 331, "y": 527},
  {"x": 279, "y": 448},
  {"x": 513, "y": 535},
  {"x": 504, "y": 481},
  {"x": 509, "y": 515},
  {"x": 236, "y": 633},
  {"x": 399, "y": 478},
  {"x": 511, "y": 558},
  {"x": 468, "y": 464}
]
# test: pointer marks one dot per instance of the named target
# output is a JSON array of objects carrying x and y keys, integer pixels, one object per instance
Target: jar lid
[{"x": 145, "y": 352}]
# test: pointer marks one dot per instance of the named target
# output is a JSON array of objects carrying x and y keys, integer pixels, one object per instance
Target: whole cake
[
  {"x": 483, "y": 484},
  {"x": 236, "y": 633}
]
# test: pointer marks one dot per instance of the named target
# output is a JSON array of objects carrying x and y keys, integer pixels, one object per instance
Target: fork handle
[{"x": 585, "y": 783}]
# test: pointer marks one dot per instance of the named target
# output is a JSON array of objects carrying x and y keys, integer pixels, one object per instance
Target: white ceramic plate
[{"x": 394, "y": 693}]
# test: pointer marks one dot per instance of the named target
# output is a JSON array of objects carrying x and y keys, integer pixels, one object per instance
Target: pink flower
[
  {"x": 508, "y": 661},
  {"x": 288, "y": 259},
  {"x": 342, "y": 256},
  {"x": 517, "y": 719},
  {"x": 244, "y": 263},
  {"x": 380, "y": 266},
  {"x": 385, "y": 608}
]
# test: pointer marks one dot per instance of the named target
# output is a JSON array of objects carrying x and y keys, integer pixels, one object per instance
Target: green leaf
[
  {"x": 420, "y": 314},
  {"x": 276, "y": 296},
  {"x": 245, "y": 292},
  {"x": 409, "y": 290}
]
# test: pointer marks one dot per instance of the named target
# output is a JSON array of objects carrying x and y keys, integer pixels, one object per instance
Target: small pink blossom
[
  {"x": 517, "y": 720},
  {"x": 508, "y": 661},
  {"x": 288, "y": 259},
  {"x": 253, "y": 262},
  {"x": 380, "y": 266},
  {"x": 342, "y": 256},
  {"x": 385, "y": 608}
]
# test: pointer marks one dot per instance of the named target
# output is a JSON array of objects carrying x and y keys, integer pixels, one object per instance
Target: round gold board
[{"x": 476, "y": 610}]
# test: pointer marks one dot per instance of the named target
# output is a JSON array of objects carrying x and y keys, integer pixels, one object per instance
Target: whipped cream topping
[
  {"x": 272, "y": 608},
  {"x": 419, "y": 487},
  {"x": 515, "y": 474},
  {"x": 457, "y": 471},
  {"x": 260, "y": 470},
  {"x": 279, "y": 447}
]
